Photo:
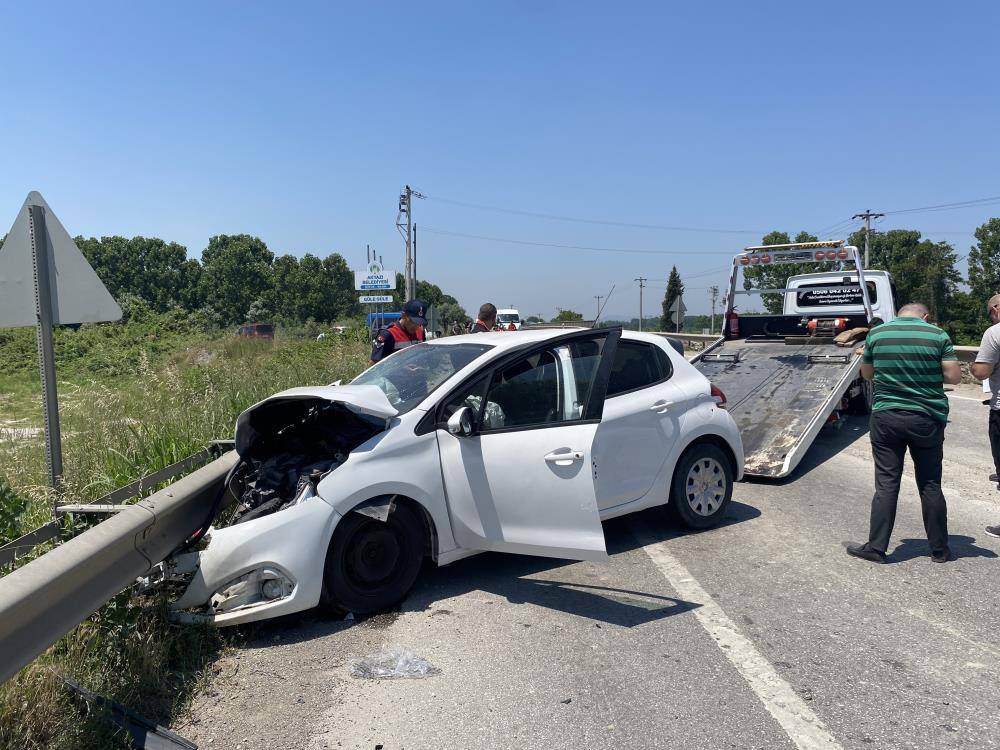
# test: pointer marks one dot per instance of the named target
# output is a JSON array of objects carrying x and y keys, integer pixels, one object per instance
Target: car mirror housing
[{"x": 460, "y": 423}]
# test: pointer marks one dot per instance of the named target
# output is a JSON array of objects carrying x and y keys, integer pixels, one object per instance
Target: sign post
[
  {"x": 374, "y": 278},
  {"x": 677, "y": 311},
  {"x": 46, "y": 351},
  {"x": 45, "y": 281}
]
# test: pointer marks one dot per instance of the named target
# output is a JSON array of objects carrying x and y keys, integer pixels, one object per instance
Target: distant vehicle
[
  {"x": 519, "y": 444},
  {"x": 382, "y": 320},
  {"x": 507, "y": 316},
  {"x": 784, "y": 374},
  {"x": 256, "y": 330}
]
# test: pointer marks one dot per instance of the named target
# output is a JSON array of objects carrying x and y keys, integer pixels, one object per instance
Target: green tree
[
  {"x": 567, "y": 316},
  {"x": 157, "y": 271},
  {"x": 984, "y": 263},
  {"x": 776, "y": 276},
  {"x": 675, "y": 289},
  {"x": 340, "y": 277},
  {"x": 924, "y": 271},
  {"x": 237, "y": 271},
  {"x": 446, "y": 314}
]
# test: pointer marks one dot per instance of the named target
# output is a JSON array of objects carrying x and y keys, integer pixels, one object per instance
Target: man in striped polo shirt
[{"x": 910, "y": 361}]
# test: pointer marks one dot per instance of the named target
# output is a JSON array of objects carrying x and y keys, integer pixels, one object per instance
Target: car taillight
[{"x": 718, "y": 396}]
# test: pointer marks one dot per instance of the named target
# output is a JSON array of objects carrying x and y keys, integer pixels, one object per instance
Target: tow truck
[{"x": 785, "y": 376}]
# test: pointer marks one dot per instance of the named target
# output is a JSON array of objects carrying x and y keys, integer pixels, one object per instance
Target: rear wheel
[
  {"x": 702, "y": 487},
  {"x": 371, "y": 565}
]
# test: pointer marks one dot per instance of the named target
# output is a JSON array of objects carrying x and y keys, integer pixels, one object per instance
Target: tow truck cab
[{"x": 830, "y": 299}]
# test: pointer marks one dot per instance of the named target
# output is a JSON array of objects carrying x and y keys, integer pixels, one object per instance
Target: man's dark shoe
[
  {"x": 994, "y": 478},
  {"x": 993, "y": 530},
  {"x": 942, "y": 556},
  {"x": 865, "y": 553}
]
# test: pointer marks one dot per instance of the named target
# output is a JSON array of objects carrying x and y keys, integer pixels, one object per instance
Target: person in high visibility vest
[
  {"x": 406, "y": 331},
  {"x": 487, "y": 319}
]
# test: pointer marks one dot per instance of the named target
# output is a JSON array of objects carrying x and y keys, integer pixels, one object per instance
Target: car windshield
[
  {"x": 504, "y": 318},
  {"x": 408, "y": 376}
]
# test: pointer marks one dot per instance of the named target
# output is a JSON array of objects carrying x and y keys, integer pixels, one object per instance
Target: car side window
[
  {"x": 637, "y": 365},
  {"x": 473, "y": 396},
  {"x": 527, "y": 392},
  {"x": 544, "y": 388}
]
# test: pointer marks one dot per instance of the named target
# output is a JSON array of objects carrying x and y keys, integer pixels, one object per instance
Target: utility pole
[
  {"x": 867, "y": 216},
  {"x": 414, "y": 257},
  {"x": 405, "y": 229},
  {"x": 642, "y": 283},
  {"x": 598, "y": 297},
  {"x": 713, "y": 292}
]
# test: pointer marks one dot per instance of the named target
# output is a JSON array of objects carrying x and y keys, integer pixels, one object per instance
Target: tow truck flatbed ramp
[{"x": 779, "y": 395}]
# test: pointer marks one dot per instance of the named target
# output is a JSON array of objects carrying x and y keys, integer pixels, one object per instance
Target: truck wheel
[
  {"x": 861, "y": 404},
  {"x": 702, "y": 487},
  {"x": 371, "y": 565}
]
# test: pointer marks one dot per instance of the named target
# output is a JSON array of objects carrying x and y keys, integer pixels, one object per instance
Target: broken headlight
[{"x": 255, "y": 587}]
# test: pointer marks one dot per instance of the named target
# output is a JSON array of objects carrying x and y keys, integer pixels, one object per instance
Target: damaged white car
[{"x": 506, "y": 442}]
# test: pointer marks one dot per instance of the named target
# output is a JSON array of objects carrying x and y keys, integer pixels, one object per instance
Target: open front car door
[{"x": 516, "y": 447}]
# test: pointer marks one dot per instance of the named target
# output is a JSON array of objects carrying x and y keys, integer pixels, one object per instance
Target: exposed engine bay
[{"x": 286, "y": 446}]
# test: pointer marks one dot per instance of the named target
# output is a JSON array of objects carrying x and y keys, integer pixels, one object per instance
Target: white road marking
[
  {"x": 964, "y": 398},
  {"x": 801, "y": 725}
]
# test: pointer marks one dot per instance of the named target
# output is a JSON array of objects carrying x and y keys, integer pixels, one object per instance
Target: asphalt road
[{"x": 761, "y": 633}]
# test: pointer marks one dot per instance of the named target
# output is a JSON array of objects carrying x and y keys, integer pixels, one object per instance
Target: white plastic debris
[{"x": 391, "y": 664}]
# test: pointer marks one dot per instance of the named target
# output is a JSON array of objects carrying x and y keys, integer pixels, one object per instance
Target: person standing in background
[
  {"x": 910, "y": 360},
  {"x": 487, "y": 318},
  {"x": 986, "y": 368}
]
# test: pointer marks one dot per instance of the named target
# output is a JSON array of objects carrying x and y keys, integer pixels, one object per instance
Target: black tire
[
  {"x": 371, "y": 565},
  {"x": 702, "y": 487},
  {"x": 861, "y": 404}
]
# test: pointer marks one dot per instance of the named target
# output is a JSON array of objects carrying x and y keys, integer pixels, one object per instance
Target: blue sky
[{"x": 301, "y": 124}]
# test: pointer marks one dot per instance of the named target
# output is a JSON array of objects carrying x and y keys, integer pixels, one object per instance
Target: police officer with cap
[{"x": 406, "y": 331}]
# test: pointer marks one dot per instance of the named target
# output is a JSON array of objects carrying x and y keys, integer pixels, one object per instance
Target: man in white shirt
[{"x": 986, "y": 368}]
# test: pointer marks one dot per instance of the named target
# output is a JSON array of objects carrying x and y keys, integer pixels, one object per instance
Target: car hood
[{"x": 270, "y": 416}]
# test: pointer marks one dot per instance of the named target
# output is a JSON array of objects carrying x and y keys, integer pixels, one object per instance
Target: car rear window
[
  {"x": 637, "y": 365},
  {"x": 834, "y": 295}
]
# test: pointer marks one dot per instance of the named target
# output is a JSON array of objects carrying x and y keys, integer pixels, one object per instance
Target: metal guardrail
[
  {"x": 46, "y": 598},
  {"x": 112, "y": 502},
  {"x": 966, "y": 353},
  {"x": 24, "y": 544}
]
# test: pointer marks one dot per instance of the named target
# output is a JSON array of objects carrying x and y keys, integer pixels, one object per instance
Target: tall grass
[{"x": 116, "y": 428}]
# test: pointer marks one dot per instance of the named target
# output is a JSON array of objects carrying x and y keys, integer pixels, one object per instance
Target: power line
[
  {"x": 948, "y": 206},
  {"x": 581, "y": 220},
  {"x": 532, "y": 243}
]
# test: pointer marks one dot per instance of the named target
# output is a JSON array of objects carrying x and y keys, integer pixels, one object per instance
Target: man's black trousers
[
  {"x": 995, "y": 438},
  {"x": 892, "y": 432}
]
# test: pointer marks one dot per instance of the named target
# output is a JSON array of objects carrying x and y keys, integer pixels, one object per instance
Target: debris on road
[{"x": 393, "y": 664}]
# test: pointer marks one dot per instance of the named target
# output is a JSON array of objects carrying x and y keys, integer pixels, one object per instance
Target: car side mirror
[{"x": 460, "y": 423}]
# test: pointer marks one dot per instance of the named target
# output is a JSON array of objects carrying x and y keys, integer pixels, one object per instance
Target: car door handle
[
  {"x": 567, "y": 456},
  {"x": 661, "y": 406}
]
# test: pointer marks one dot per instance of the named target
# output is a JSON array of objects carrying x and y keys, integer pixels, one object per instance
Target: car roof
[{"x": 505, "y": 340}]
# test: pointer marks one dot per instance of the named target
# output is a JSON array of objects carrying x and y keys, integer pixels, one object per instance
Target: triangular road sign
[{"x": 78, "y": 294}]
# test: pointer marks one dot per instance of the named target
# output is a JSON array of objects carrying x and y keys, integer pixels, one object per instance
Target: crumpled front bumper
[{"x": 288, "y": 547}]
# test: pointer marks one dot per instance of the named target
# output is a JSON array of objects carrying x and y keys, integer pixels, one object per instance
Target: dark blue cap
[{"x": 415, "y": 310}]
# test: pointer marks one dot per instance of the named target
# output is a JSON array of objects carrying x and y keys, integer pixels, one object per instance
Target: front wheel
[
  {"x": 702, "y": 487},
  {"x": 371, "y": 565}
]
